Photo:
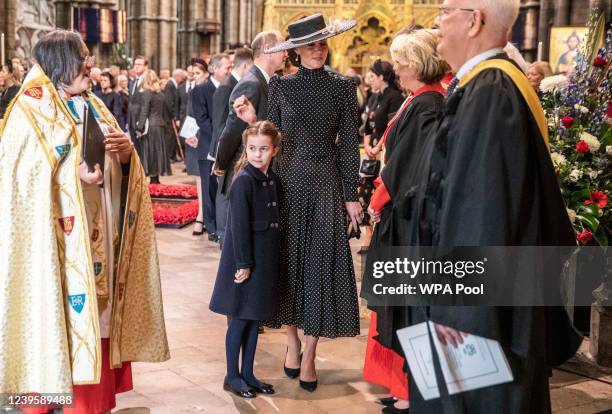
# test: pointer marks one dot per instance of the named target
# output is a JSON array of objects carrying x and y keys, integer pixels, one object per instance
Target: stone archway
[{"x": 370, "y": 40}]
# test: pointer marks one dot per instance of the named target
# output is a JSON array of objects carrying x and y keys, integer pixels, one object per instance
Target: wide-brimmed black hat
[{"x": 311, "y": 29}]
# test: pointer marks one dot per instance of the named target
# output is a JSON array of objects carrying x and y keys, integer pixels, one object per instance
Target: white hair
[{"x": 499, "y": 14}]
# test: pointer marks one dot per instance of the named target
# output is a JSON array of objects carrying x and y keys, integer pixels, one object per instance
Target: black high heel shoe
[
  {"x": 198, "y": 233},
  {"x": 243, "y": 392},
  {"x": 309, "y": 386},
  {"x": 292, "y": 373}
]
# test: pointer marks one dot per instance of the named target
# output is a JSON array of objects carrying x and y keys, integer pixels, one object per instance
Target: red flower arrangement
[
  {"x": 599, "y": 62},
  {"x": 582, "y": 147},
  {"x": 166, "y": 213},
  {"x": 598, "y": 198},
  {"x": 173, "y": 190},
  {"x": 567, "y": 122},
  {"x": 584, "y": 237}
]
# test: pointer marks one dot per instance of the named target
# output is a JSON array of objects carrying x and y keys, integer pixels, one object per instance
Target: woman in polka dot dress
[{"x": 318, "y": 167}]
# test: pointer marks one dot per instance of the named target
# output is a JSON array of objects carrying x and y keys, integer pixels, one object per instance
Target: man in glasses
[{"x": 490, "y": 182}]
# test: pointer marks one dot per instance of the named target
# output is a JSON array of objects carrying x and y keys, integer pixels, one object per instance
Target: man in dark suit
[
  {"x": 254, "y": 86},
  {"x": 202, "y": 103},
  {"x": 183, "y": 94},
  {"x": 172, "y": 101},
  {"x": 135, "y": 99},
  {"x": 243, "y": 60}
]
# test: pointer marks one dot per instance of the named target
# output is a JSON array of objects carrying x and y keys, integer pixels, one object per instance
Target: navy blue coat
[
  {"x": 202, "y": 103},
  {"x": 252, "y": 240}
]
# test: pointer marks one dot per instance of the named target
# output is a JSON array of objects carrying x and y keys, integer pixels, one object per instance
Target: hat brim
[{"x": 340, "y": 27}]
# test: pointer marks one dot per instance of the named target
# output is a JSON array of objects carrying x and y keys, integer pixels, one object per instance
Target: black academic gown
[
  {"x": 489, "y": 181},
  {"x": 404, "y": 145}
]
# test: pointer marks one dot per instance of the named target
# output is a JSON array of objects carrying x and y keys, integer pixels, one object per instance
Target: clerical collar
[
  {"x": 264, "y": 73},
  {"x": 471, "y": 64},
  {"x": 215, "y": 81},
  {"x": 236, "y": 75}
]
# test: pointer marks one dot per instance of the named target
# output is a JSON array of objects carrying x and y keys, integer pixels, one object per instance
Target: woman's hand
[
  {"x": 217, "y": 171},
  {"x": 245, "y": 110},
  {"x": 192, "y": 142},
  {"x": 242, "y": 275},
  {"x": 355, "y": 213},
  {"x": 449, "y": 335},
  {"x": 117, "y": 142},
  {"x": 374, "y": 215},
  {"x": 96, "y": 177},
  {"x": 375, "y": 150}
]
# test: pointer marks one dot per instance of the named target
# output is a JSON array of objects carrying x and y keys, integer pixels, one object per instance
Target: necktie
[{"x": 451, "y": 86}]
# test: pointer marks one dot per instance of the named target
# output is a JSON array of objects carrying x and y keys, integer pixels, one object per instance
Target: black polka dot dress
[{"x": 318, "y": 167}]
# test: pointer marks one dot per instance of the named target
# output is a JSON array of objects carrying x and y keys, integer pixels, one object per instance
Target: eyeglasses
[{"x": 445, "y": 11}]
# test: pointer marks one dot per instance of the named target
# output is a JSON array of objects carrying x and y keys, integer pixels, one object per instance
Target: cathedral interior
[{"x": 170, "y": 32}]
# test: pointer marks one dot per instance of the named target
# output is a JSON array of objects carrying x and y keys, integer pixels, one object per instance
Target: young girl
[{"x": 246, "y": 285}]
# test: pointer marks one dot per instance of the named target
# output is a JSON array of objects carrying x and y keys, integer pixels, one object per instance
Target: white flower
[
  {"x": 572, "y": 215},
  {"x": 609, "y": 149},
  {"x": 591, "y": 141},
  {"x": 575, "y": 175},
  {"x": 558, "y": 160},
  {"x": 592, "y": 173},
  {"x": 581, "y": 108},
  {"x": 553, "y": 83}
]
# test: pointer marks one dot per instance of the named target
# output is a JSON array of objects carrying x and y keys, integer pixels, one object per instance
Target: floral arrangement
[
  {"x": 579, "y": 112},
  {"x": 166, "y": 213},
  {"x": 173, "y": 191}
]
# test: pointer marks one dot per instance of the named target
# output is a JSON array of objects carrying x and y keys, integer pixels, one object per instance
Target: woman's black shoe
[
  {"x": 263, "y": 388},
  {"x": 292, "y": 373},
  {"x": 392, "y": 410},
  {"x": 309, "y": 385},
  {"x": 387, "y": 401},
  {"x": 198, "y": 233},
  {"x": 244, "y": 393}
]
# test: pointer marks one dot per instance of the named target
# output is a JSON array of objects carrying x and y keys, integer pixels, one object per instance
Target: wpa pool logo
[{"x": 77, "y": 302}]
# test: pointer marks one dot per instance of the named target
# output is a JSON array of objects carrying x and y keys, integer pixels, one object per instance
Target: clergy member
[
  {"x": 489, "y": 181},
  {"x": 80, "y": 293}
]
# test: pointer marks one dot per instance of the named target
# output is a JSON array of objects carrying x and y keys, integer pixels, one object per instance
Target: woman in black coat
[{"x": 11, "y": 87}]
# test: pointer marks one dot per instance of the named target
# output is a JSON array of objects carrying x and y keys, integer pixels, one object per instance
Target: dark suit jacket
[
  {"x": 134, "y": 105},
  {"x": 184, "y": 101},
  {"x": 202, "y": 103},
  {"x": 172, "y": 99},
  {"x": 255, "y": 88},
  {"x": 220, "y": 111}
]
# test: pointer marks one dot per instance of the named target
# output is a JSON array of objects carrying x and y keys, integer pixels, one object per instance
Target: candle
[
  {"x": 2, "y": 56},
  {"x": 540, "y": 50}
]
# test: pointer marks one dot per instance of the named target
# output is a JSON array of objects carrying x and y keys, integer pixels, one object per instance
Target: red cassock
[{"x": 97, "y": 398}]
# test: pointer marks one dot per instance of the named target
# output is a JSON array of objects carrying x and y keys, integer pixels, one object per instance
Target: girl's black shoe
[
  {"x": 243, "y": 392},
  {"x": 387, "y": 401},
  {"x": 262, "y": 388},
  {"x": 292, "y": 373},
  {"x": 309, "y": 386}
]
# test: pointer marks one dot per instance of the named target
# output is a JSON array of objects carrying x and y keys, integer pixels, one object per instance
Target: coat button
[
  {"x": 269, "y": 204},
  {"x": 274, "y": 203},
  {"x": 271, "y": 182},
  {"x": 264, "y": 184}
]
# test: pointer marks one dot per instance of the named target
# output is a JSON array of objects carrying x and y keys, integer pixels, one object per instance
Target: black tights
[{"x": 241, "y": 333}]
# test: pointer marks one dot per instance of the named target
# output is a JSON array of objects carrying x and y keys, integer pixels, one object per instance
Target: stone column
[{"x": 545, "y": 22}]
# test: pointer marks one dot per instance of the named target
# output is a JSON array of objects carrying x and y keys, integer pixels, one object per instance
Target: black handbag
[{"x": 369, "y": 168}]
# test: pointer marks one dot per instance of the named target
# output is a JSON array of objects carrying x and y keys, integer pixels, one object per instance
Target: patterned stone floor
[{"x": 191, "y": 381}]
